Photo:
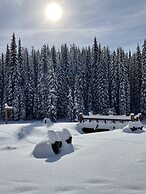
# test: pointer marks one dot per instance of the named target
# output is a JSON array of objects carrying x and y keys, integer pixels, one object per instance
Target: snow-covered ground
[{"x": 102, "y": 163}]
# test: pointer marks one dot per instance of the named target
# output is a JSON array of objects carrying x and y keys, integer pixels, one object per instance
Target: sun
[{"x": 53, "y": 12}]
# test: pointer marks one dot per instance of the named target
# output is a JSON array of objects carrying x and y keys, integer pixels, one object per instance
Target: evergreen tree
[
  {"x": 54, "y": 58},
  {"x": 136, "y": 81},
  {"x": 29, "y": 85},
  {"x": 143, "y": 86},
  {"x": 123, "y": 84},
  {"x": 113, "y": 82},
  {"x": 95, "y": 60},
  {"x": 35, "y": 60},
  {"x": 78, "y": 98},
  {"x": 63, "y": 82},
  {"x": 1, "y": 85},
  {"x": 13, "y": 79},
  {"x": 70, "y": 106},
  {"x": 103, "y": 95},
  {"x": 22, "y": 108},
  {"x": 52, "y": 97}
]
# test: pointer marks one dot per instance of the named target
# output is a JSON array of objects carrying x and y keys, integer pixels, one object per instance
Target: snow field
[{"x": 104, "y": 163}]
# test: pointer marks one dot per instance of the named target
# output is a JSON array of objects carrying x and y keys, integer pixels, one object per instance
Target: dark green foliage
[{"x": 57, "y": 84}]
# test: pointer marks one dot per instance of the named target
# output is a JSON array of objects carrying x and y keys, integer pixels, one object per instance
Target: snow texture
[{"x": 104, "y": 163}]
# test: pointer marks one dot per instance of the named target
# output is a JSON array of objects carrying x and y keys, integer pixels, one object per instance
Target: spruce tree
[
  {"x": 143, "y": 85},
  {"x": 22, "y": 108},
  {"x": 13, "y": 80},
  {"x": 1, "y": 85}
]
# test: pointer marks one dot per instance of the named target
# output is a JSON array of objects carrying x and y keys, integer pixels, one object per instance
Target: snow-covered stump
[
  {"x": 55, "y": 141},
  {"x": 59, "y": 141},
  {"x": 133, "y": 126},
  {"x": 47, "y": 121},
  {"x": 7, "y": 108},
  {"x": 65, "y": 135},
  {"x": 66, "y": 139}
]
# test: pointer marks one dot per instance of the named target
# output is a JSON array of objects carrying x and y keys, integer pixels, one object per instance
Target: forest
[{"x": 62, "y": 83}]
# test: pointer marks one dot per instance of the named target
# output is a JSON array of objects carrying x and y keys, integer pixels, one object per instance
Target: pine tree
[
  {"x": 35, "y": 60},
  {"x": 143, "y": 85},
  {"x": 70, "y": 106},
  {"x": 63, "y": 82},
  {"x": 52, "y": 95},
  {"x": 124, "y": 95},
  {"x": 95, "y": 60},
  {"x": 54, "y": 58},
  {"x": 113, "y": 80},
  {"x": 103, "y": 95},
  {"x": 78, "y": 97},
  {"x": 136, "y": 81},
  {"x": 22, "y": 108},
  {"x": 29, "y": 85},
  {"x": 13, "y": 79},
  {"x": 1, "y": 85}
]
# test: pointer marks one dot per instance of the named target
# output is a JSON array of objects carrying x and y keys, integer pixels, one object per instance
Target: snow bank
[
  {"x": 136, "y": 126},
  {"x": 104, "y": 163}
]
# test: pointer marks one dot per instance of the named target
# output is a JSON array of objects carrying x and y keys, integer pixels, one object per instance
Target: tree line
[{"x": 62, "y": 83}]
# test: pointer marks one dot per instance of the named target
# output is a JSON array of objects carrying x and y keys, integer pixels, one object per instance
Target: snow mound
[
  {"x": 21, "y": 134},
  {"x": 43, "y": 150},
  {"x": 47, "y": 121},
  {"x": 136, "y": 127}
]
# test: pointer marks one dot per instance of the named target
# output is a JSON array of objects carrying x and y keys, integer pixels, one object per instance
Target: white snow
[
  {"x": 101, "y": 125},
  {"x": 101, "y": 163},
  {"x": 7, "y": 106},
  {"x": 98, "y": 116},
  {"x": 137, "y": 125},
  {"x": 47, "y": 121}
]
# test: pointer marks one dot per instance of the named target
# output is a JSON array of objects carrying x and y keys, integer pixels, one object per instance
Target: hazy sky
[{"x": 114, "y": 23}]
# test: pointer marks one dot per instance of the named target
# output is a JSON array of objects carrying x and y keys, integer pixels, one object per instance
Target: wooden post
[
  {"x": 139, "y": 116},
  {"x": 7, "y": 108},
  {"x": 6, "y": 116},
  {"x": 132, "y": 116},
  {"x": 80, "y": 117}
]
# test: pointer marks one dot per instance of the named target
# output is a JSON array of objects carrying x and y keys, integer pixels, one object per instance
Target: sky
[{"x": 113, "y": 22}]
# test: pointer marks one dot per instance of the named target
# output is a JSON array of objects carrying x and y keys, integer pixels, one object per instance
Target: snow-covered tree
[
  {"x": 70, "y": 106},
  {"x": 29, "y": 85},
  {"x": 22, "y": 108},
  {"x": 63, "y": 82},
  {"x": 1, "y": 84},
  {"x": 13, "y": 79},
  {"x": 143, "y": 86},
  {"x": 103, "y": 90},
  {"x": 52, "y": 95}
]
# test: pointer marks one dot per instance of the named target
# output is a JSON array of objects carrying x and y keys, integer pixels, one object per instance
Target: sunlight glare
[{"x": 53, "y": 12}]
